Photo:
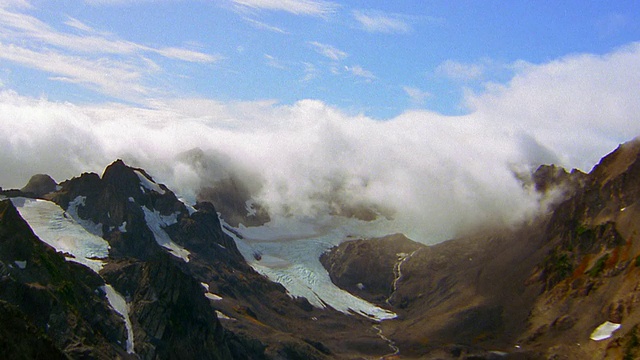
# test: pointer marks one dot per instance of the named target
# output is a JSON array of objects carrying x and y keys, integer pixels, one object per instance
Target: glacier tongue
[
  {"x": 295, "y": 264},
  {"x": 53, "y": 226}
]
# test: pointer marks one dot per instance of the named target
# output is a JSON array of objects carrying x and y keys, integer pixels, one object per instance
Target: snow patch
[
  {"x": 21, "y": 264},
  {"x": 212, "y": 296},
  {"x": 205, "y": 286},
  {"x": 156, "y": 224},
  {"x": 604, "y": 331},
  {"x": 119, "y": 304},
  {"x": 51, "y": 224},
  {"x": 249, "y": 207},
  {"x": 90, "y": 226},
  {"x": 148, "y": 183},
  {"x": 123, "y": 227},
  {"x": 222, "y": 316}
]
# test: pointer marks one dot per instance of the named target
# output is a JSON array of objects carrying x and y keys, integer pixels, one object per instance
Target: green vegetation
[
  {"x": 560, "y": 266},
  {"x": 637, "y": 262},
  {"x": 598, "y": 267},
  {"x": 582, "y": 229}
]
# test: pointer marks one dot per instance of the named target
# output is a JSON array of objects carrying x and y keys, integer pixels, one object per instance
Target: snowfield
[
  {"x": 156, "y": 223},
  {"x": 60, "y": 230}
]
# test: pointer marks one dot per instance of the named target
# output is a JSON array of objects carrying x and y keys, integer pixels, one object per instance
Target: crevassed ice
[
  {"x": 54, "y": 227},
  {"x": 295, "y": 264},
  {"x": 148, "y": 184},
  {"x": 119, "y": 304},
  {"x": 156, "y": 223}
]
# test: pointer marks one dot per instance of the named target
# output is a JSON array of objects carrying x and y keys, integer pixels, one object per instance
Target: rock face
[
  {"x": 40, "y": 185},
  {"x": 369, "y": 268},
  {"x": 538, "y": 291},
  {"x": 50, "y": 303}
]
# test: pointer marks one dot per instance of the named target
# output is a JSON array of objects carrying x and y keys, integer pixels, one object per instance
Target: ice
[
  {"x": 54, "y": 227},
  {"x": 156, "y": 223},
  {"x": 291, "y": 258},
  {"x": 149, "y": 184},
  {"x": 119, "y": 304},
  {"x": 212, "y": 296},
  {"x": 251, "y": 211},
  {"x": 222, "y": 316},
  {"x": 89, "y": 225},
  {"x": 604, "y": 331}
]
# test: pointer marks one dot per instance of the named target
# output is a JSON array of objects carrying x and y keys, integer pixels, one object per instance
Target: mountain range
[{"x": 118, "y": 266}]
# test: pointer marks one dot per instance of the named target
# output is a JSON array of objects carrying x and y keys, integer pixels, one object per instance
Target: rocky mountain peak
[{"x": 40, "y": 185}]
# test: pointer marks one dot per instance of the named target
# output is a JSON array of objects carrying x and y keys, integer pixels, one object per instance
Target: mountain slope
[{"x": 539, "y": 290}]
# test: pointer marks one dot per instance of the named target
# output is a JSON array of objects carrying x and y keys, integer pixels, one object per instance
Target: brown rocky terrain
[{"x": 537, "y": 291}]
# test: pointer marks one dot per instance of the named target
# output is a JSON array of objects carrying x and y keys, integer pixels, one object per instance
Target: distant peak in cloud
[
  {"x": 377, "y": 21},
  {"x": 297, "y": 7}
]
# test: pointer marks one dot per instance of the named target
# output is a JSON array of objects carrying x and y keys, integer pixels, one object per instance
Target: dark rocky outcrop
[
  {"x": 57, "y": 298},
  {"x": 369, "y": 268},
  {"x": 171, "y": 317},
  {"x": 40, "y": 185}
]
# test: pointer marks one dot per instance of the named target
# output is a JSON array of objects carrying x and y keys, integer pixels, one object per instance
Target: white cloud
[
  {"x": 99, "y": 61},
  {"x": 77, "y": 24},
  {"x": 376, "y": 21},
  {"x": 329, "y": 51},
  {"x": 579, "y": 105},
  {"x": 441, "y": 175},
  {"x": 358, "y": 71},
  {"x": 310, "y": 72},
  {"x": 298, "y": 7},
  {"x": 110, "y": 77},
  {"x": 274, "y": 62},
  {"x": 15, "y": 4},
  {"x": 260, "y": 25},
  {"x": 418, "y": 97},
  {"x": 461, "y": 71}
]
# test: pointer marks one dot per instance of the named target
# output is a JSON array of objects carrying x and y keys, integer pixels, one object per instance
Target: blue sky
[{"x": 379, "y": 58}]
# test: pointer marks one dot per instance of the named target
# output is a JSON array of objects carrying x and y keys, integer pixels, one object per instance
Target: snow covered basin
[
  {"x": 289, "y": 254},
  {"x": 58, "y": 229}
]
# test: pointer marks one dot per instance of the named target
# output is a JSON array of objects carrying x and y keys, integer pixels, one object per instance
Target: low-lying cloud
[{"x": 438, "y": 175}]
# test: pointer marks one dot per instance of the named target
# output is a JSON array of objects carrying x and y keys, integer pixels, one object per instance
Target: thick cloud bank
[{"x": 435, "y": 174}]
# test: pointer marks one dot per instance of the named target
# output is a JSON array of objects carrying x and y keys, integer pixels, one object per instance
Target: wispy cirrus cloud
[
  {"x": 461, "y": 71},
  {"x": 297, "y": 7},
  {"x": 329, "y": 51},
  {"x": 261, "y": 25},
  {"x": 96, "y": 60},
  {"x": 15, "y": 4},
  {"x": 378, "y": 22},
  {"x": 359, "y": 71},
  {"x": 417, "y": 96}
]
